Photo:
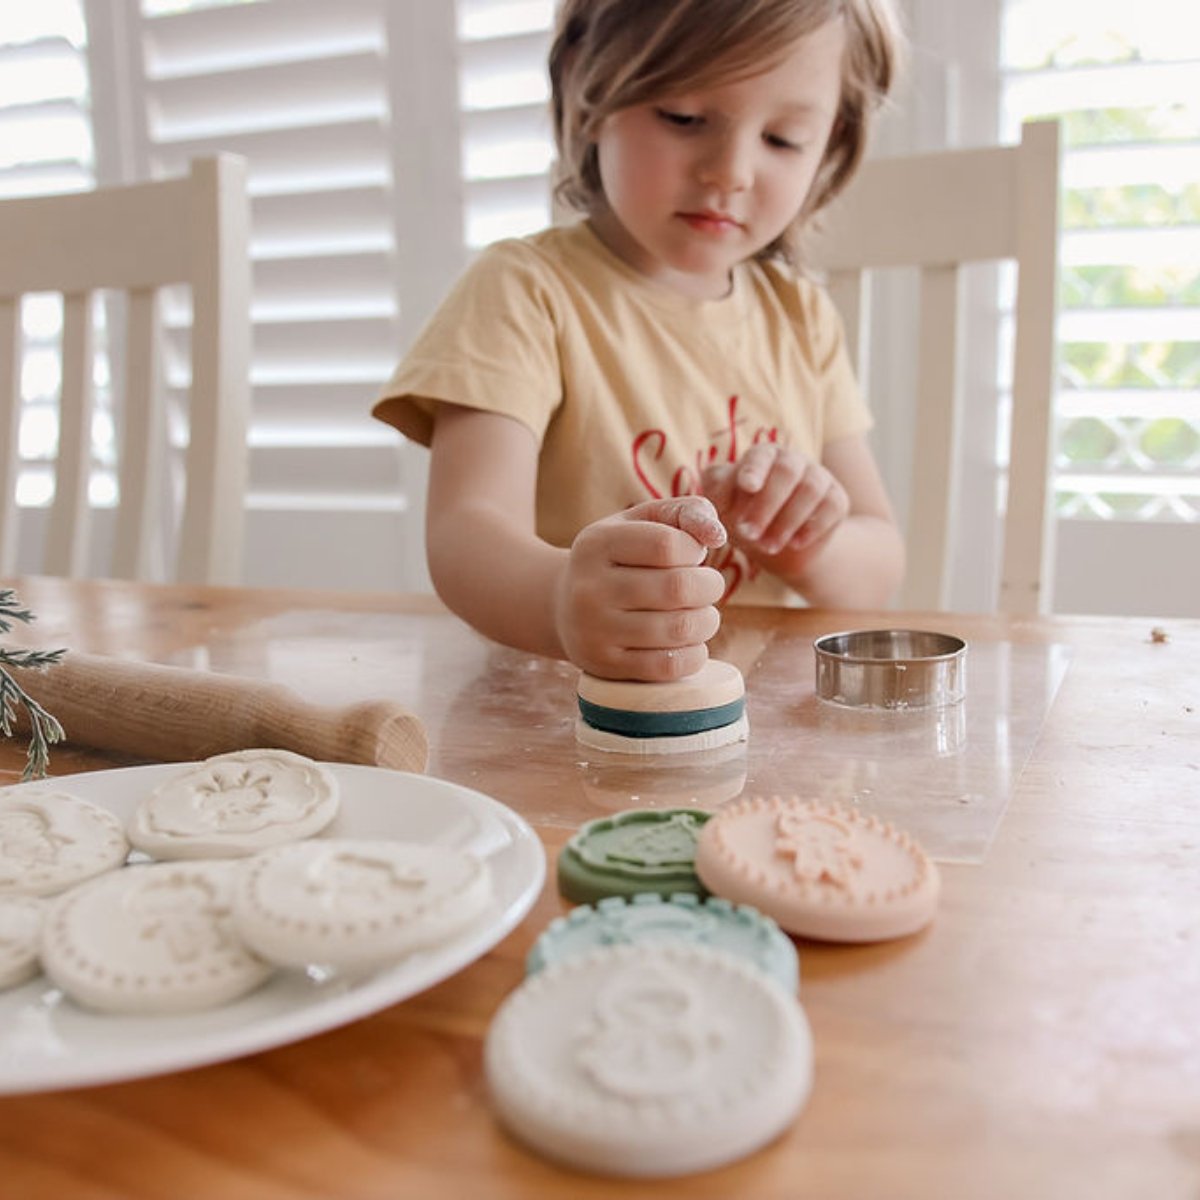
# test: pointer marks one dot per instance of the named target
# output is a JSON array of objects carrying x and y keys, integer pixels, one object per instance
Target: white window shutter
[
  {"x": 1123, "y": 78},
  {"x": 386, "y": 140},
  {"x": 45, "y": 146},
  {"x": 507, "y": 142}
]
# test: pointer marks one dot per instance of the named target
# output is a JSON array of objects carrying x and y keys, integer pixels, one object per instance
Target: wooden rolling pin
[{"x": 173, "y": 714}]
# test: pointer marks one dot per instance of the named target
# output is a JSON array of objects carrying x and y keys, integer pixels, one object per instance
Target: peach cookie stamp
[
  {"x": 648, "y": 1059},
  {"x": 353, "y": 905},
  {"x": 639, "y": 850},
  {"x": 20, "y": 935},
  {"x": 821, "y": 870},
  {"x": 235, "y": 804},
  {"x": 50, "y": 841},
  {"x": 156, "y": 938}
]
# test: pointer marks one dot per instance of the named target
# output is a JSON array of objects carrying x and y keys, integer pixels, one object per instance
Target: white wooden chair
[
  {"x": 137, "y": 239},
  {"x": 937, "y": 212}
]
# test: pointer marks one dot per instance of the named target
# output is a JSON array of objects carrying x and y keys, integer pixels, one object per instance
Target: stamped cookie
[
  {"x": 236, "y": 804},
  {"x": 639, "y": 850},
  {"x": 157, "y": 938},
  {"x": 353, "y": 905},
  {"x": 821, "y": 870},
  {"x": 50, "y": 841},
  {"x": 20, "y": 936},
  {"x": 737, "y": 929},
  {"x": 650, "y": 1059}
]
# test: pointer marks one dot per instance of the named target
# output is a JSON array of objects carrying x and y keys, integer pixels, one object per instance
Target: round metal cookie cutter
[{"x": 891, "y": 668}]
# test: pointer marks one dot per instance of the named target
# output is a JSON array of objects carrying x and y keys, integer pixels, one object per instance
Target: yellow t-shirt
[{"x": 631, "y": 389}]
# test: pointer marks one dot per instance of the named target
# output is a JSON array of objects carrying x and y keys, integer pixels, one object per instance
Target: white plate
[{"x": 47, "y": 1042}]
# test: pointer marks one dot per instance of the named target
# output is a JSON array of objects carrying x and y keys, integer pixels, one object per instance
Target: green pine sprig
[{"x": 44, "y": 729}]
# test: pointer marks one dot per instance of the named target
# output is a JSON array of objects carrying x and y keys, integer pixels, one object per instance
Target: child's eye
[
  {"x": 678, "y": 119},
  {"x": 781, "y": 143}
]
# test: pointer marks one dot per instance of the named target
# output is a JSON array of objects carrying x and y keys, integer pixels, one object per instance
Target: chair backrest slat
[
  {"x": 220, "y": 388},
  {"x": 66, "y": 535},
  {"x": 930, "y": 528},
  {"x": 86, "y": 236},
  {"x": 143, "y": 440},
  {"x": 926, "y": 209},
  {"x": 1026, "y": 571},
  {"x": 10, "y": 428}
]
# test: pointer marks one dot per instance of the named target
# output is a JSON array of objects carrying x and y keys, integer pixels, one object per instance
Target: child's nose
[{"x": 728, "y": 164}]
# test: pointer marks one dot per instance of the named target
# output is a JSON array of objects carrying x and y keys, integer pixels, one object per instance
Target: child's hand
[
  {"x": 636, "y": 601},
  {"x": 773, "y": 499}
]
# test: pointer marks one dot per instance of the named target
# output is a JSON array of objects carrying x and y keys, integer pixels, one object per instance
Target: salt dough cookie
[
  {"x": 50, "y": 841},
  {"x": 822, "y": 871},
  {"x": 639, "y": 850},
  {"x": 700, "y": 712},
  {"x": 649, "y": 1059},
  {"x": 736, "y": 929},
  {"x": 234, "y": 805},
  {"x": 157, "y": 938},
  {"x": 20, "y": 936},
  {"x": 353, "y": 905}
]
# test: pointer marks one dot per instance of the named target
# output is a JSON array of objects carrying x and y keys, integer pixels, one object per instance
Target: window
[
  {"x": 1122, "y": 78},
  {"x": 507, "y": 144},
  {"x": 46, "y": 146}
]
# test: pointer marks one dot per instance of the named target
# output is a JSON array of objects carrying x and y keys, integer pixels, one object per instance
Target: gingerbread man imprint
[{"x": 823, "y": 849}]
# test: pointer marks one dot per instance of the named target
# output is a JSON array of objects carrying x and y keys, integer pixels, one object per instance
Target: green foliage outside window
[{"x": 1129, "y": 287}]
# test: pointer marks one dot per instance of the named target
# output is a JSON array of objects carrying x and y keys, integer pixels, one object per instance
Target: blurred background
[{"x": 388, "y": 140}]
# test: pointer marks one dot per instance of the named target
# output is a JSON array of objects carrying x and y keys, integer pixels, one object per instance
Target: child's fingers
[
  {"x": 789, "y": 495},
  {"x": 755, "y": 466},
  {"x": 654, "y": 666},
  {"x": 669, "y": 589},
  {"x": 827, "y": 516},
  {"x": 800, "y": 500},
  {"x": 658, "y": 630},
  {"x": 693, "y": 515},
  {"x": 719, "y": 484}
]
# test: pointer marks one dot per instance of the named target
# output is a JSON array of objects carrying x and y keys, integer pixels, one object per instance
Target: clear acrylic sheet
[{"x": 944, "y": 774}]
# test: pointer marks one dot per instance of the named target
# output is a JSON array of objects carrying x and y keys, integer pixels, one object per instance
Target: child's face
[{"x": 695, "y": 183}]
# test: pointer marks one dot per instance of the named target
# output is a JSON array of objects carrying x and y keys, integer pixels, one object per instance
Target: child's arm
[
  {"x": 826, "y": 529},
  {"x": 629, "y": 600}
]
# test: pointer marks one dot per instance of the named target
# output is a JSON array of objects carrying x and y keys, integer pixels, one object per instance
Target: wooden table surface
[{"x": 1040, "y": 1039}]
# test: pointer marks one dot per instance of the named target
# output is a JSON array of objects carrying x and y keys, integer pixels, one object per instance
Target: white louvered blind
[
  {"x": 507, "y": 145},
  {"x": 45, "y": 129},
  {"x": 300, "y": 88},
  {"x": 46, "y": 146}
]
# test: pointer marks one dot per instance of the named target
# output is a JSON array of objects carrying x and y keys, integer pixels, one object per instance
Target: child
[{"x": 645, "y": 413}]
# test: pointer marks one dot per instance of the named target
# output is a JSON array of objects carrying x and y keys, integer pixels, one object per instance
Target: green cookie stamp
[
  {"x": 640, "y": 850},
  {"x": 735, "y": 929}
]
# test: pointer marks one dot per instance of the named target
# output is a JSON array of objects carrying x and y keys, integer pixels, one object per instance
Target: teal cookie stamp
[
  {"x": 639, "y": 850},
  {"x": 735, "y": 929}
]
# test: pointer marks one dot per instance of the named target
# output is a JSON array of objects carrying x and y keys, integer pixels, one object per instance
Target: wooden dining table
[{"x": 1040, "y": 1038}]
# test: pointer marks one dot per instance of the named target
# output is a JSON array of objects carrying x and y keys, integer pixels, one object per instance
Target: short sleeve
[{"x": 492, "y": 345}]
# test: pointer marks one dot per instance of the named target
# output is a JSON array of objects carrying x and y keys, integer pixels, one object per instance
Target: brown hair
[{"x": 612, "y": 54}]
